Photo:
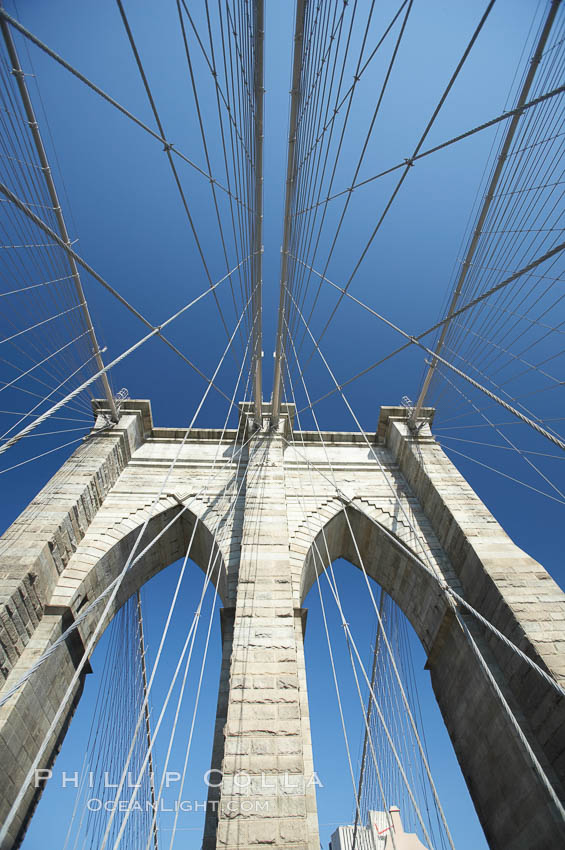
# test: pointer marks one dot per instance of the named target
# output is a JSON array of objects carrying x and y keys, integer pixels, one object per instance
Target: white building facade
[{"x": 384, "y": 831}]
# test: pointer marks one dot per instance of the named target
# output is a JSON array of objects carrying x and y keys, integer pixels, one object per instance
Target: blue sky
[{"x": 123, "y": 208}]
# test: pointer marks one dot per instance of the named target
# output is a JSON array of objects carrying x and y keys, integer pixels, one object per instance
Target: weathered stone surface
[{"x": 76, "y": 535}]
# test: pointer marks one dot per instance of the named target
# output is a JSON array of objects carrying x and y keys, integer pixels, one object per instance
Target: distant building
[{"x": 377, "y": 835}]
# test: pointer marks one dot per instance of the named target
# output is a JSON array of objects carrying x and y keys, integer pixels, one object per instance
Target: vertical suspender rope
[
  {"x": 290, "y": 185},
  {"x": 146, "y": 713},
  {"x": 368, "y": 716},
  {"x": 46, "y": 171},
  {"x": 259, "y": 91},
  {"x": 510, "y": 133}
]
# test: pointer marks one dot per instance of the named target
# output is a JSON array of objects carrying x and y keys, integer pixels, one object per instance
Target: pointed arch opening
[
  {"x": 173, "y": 532},
  {"x": 466, "y": 678},
  {"x": 169, "y": 535}
]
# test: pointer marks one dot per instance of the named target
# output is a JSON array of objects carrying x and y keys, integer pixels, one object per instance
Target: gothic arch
[
  {"x": 414, "y": 590},
  {"x": 491, "y": 755},
  {"x": 97, "y": 561},
  {"x": 102, "y": 554}
]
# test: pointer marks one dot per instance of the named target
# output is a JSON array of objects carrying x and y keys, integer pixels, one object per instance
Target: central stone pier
[{"x": 263, "y": 781}]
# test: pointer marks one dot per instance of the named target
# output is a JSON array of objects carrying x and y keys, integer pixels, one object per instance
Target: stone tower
[{"x": 400, "y": 492}]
